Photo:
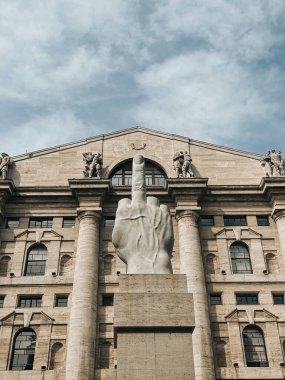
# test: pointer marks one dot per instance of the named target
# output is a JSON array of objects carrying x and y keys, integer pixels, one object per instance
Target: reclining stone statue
[{"x": 143, "y": 231}]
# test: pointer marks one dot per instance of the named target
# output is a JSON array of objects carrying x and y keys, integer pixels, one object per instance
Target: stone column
[
  {"x": 80, "y": 360},
  {"x": 279, "y": 218},
  {"x": 192, "y": 266}
]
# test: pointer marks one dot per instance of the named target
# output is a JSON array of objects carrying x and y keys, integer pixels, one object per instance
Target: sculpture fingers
[{"x": 138, "y": 180}]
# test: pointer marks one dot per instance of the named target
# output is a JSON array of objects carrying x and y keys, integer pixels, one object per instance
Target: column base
[{"x": 154, "y": 321}]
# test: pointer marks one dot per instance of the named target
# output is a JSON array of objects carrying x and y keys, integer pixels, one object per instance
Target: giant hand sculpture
[{"x": 143, "y": 232}]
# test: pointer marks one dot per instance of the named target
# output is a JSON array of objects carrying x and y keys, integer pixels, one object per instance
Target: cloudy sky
[{"x": 209, "y": 70}]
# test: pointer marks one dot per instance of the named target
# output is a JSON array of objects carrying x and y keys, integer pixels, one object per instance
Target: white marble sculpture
[{"x": 143, "y": 231}]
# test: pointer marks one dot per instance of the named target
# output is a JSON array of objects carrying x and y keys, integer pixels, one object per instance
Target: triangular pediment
[
  {"x": 56, "y": 165},
  {"x": 38, "y": 235},
  {"x": 237, "y": 233},
  {"x": 251, "y": 315}
]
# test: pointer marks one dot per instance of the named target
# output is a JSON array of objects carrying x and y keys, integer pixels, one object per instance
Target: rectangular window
[
  {"x": 278, "y": 298},
  {"x": 238, "y": 220},
  {"x": 109, "y": 221},
  {"x": 206, "y": 221},
  {"x": 107, "y": 299},
  {"x": 2, "y": 301},
  {"x": 30, "y": 301},
  {"x": 40, "y": 223},
  {"x": 68, "y": 222},
  {"x": 262, "y": 220},
  {"x": 12, "y": 222},
  {"x": 247, "y": 298},
  {"x": 61, "y": 300},
  {"x": 215, "y": 299}
]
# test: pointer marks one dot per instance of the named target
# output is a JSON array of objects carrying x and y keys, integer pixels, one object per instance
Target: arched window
[
  {"x": 240, "y": 258},
  {"x": 5, "y": 264},
  {"x": 36, "y": 261},
  {"x": 122, "y": 176},
  {"x": 254, "y": 347},
  {"x": 23, "y": 352}
]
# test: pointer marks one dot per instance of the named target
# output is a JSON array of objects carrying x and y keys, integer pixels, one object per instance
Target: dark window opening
[
  {"x": 107, "y": 299},
  {"x": 30, "y": 301},
  {"x": 254, "y": 347},
  {"x": 262, "y": 220},
  {"x": 36, "y": 261},
  {"x": 240, "y": 258},
  {"x": 109, "y": 221},
  {"x": 278, "y": 298},
  {"x": 2, "y": 301},
  {"x": 12, "y": 222},
  {"x": 206, "y": 221},
  {"x": 153, "y": 175},
  {"x": 235, "y": 220},
  {"x": 23, "y": 352},
  {"x": 68, "y": 222},
  {"x": 247, "y": 298},
  {"x": 61, "y": 300},
  {"x": 215, "y": 299},
  {"x": 40, "y": 222}
]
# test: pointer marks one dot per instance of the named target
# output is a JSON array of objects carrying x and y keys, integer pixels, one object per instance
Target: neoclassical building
[{"x": 59, "y": 272}]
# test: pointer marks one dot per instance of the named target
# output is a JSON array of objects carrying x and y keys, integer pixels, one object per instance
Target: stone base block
[{"x": 154, "y": 321}]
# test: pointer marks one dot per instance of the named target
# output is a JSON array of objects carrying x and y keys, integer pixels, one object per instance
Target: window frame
[
  {"x": 28, "y": 262},
  {"x": 29, "y": 297},
  {"x": 217, "y": 295},
  {"x": 107, "y": 296},
  {"x": 67, "y": 225},
  {"x": 204, "y": 218},
  {"x": 238, "y": 261},
  {"x": 259, "y": 218},
  {"x": 248, "y": 352},
  {"x": 63, "y": 297},
  {"x": 27, "y": 349},
  {"x": 278, "y": 294},
  {"x": 12, "y": 220},
  {"x": 39, "y": 221},
  {"x": 247, "y": 296},
  {"x": 154, "y": 174},
  {"x": 234, "y": 217},
  {"x": 2, "y": 300}
]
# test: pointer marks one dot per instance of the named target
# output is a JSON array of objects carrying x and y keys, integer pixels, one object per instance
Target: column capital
[
  {"x": 92, "y": 213},
  {"x": 278, "y": 214},
  {"x": 186, "y": 213}
]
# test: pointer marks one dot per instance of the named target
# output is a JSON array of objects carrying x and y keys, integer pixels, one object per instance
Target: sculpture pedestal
[{"x": 154, "y": 321}]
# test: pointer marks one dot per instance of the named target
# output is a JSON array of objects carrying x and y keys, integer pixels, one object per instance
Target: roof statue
[
  {"x": 143, "y": 231},
  {"x": 5, "y": 162},
  {"x": 182, "y": 165},
  {"x": 93, "y": 165},
  {"x": 273, "y": 163}
]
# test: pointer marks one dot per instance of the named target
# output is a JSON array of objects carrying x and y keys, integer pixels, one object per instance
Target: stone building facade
[{"x": 59, "y": 270}]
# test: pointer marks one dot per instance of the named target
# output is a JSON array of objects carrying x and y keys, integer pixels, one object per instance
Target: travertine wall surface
[{"x": 233, "y": 185}]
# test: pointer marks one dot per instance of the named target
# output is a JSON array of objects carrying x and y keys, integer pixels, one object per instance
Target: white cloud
[{"x": 44, "y": 131}]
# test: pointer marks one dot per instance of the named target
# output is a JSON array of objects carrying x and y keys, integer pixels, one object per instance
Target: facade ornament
[
  {"x": 273, "y": 163},
  {"x": 182, "y": 165},
  {"x": 93, "y": 165},
  {"x": 138, "y": 147},
  {"x": 5, "y": 162},
  {"x": 143, "y": 231}
]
